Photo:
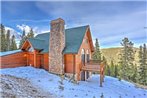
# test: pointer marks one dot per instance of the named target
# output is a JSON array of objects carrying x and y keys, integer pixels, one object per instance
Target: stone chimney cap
[{"x": 57, "y": 21}]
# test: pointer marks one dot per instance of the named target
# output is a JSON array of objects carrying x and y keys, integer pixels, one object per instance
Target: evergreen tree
[
  {"x": 2, "y": 38},
  {"x": 104, "y": 60},
  {"x": 143, "y": 65},
  {"x": 115, "y": 71},
  {"x": 97, "y": 54},
  {"x": 126, "y": 60},
  {"x": 112, "y": 68},
  {"x": 30, "y": 34},
  {"x": 107, "y": 71},
  {"x": 13, "y": 43},
  {"x": 23, "y": 38},
  {"x": 135, "y": 75},
  {"x": 8, "y": 40}
]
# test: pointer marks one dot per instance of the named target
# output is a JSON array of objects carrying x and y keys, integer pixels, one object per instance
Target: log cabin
[{"x": 60, "y": 51}]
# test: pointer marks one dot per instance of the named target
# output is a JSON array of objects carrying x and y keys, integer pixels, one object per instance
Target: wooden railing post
[
  {"x": 101, "y": 73},
  {"x": 95, "y": 66}
]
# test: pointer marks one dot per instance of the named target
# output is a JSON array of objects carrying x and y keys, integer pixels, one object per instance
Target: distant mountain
[
  {"x": 113, "y": 54},
  {"x": 13, "y": 32}
]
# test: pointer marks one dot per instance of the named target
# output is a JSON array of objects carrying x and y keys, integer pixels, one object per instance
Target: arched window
[
  {"x": 87, "y": 56},
  {"x": 87, "y": 52},
  {"x": 82, "y": 51},
  {"x": 83, "y": 56}
]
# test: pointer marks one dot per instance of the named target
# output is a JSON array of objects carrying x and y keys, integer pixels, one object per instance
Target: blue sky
[{"x": 110, "y": 21}]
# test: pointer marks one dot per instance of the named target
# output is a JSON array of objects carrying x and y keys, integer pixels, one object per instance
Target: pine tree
[
  {"x": 23, "y": 38},
  {"x": 30, "y": 34},
  {"x": 13, "y": 43},
  {"x": 2, "y": 38},
  {"x": 112, "y": 68},
  {"x": 115, "y": 71},
  {"x": 107, "y": 70},
  {"x": 143, "y": 65},
  {"x": 135, "y": 75},
  {"x": 126, "y": 60},
  {"x": 104, "y": 60},
  {"x": 97, "y": 54},
  {"x": 8, "y": 40}
]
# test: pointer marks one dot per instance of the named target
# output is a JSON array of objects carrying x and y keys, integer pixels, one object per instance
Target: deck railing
[{"x": 95, "y": 66}]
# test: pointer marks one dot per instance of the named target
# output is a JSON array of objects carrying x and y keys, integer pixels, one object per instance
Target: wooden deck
[{"x": 94, "y": 66}]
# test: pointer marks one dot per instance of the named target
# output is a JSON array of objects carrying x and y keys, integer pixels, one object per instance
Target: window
[
  {"x": 87, "y": 56},
  {"x": 82, "y": 51}
]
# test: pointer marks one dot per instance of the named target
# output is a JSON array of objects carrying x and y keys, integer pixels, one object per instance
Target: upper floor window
[
  {"x": 87, "y": 52},
  {"x": 82, "y": 51}
]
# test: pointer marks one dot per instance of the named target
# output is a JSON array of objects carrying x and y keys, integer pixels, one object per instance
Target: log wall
[{"x": 13, "y": 60}]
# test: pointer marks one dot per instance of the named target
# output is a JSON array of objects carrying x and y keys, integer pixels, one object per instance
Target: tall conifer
[
  {"x": 97, "y": 54},
  {"x": 143, "y": 65},
  {"x": 8, "y": 40},
  {"x": 126, "y": 61},
  {"x": 2, "y": 38},
  {"x": 13, "y": 43}
]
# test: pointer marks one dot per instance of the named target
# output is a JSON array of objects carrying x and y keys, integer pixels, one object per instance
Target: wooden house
[{"x": 60, "y": 51}]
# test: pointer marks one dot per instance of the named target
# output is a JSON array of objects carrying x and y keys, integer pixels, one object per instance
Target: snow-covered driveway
[{"x": 112, "y": 88}]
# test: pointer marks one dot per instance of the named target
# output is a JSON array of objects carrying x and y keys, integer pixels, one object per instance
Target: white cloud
[
  {"x": 24, "y": 27},
  {"x": 28, "y": 28},
  {"x": 110, "y": 22}
]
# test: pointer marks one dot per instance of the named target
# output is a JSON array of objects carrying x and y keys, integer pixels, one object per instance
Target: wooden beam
[
  {"x": 35, "y": 63},
  {"x": 74, "y": 66}
]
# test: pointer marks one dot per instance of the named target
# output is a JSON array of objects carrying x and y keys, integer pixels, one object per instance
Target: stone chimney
[{"x": 56, "y": 46}]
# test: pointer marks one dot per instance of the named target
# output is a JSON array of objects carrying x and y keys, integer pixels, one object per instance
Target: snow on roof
[{"x": 9, "y": 52}]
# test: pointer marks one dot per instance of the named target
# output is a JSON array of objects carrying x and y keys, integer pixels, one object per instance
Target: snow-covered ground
[
  {"x": 112, "y": 88},
  {"x": 14, "y": 87}
]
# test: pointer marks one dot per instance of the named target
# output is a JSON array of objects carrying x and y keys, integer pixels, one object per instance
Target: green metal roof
[
  {"x": 37, "y": 43},
  {"x": 73, "y": 40}
]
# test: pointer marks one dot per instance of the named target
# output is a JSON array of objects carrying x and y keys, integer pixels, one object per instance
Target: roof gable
[{"x": 73, "y": 40}]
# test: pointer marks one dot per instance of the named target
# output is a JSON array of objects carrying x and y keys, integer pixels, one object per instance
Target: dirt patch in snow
[{"x": 14, "y": 87}]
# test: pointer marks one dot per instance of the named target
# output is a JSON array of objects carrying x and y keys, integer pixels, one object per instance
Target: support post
[
  {"x": 74, "y": 66},
  {"x": 101, "y": 80},
  {"x": 101, "y": 74},
  {"x": 35, "y": 63}
]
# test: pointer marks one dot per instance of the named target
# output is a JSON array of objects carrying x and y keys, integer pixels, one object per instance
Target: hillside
[
  {"x": 14, "y": 87},
  {"x": 50, "y": 83},
  {"x": 113, "y": 54}
]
